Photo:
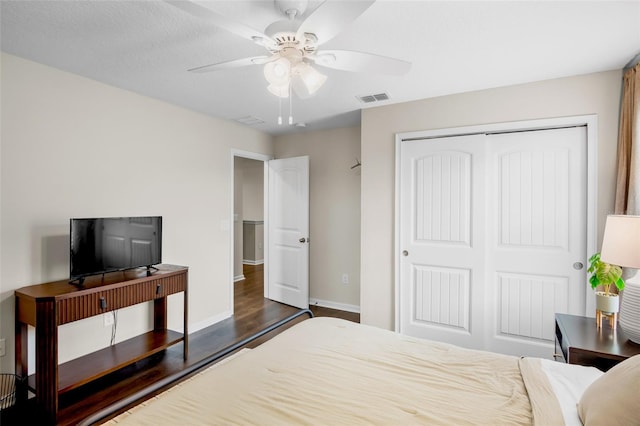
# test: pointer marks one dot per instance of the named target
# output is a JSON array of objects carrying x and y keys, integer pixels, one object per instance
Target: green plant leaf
[
  {"x": 594, "y": 282},
  {"x": 604, "y": 274}
]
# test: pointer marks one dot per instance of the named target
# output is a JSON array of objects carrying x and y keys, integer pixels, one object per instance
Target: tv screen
[{"x": 100, "y": 245}]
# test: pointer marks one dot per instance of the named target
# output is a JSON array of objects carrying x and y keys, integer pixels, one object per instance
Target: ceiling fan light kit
[{"x": 292, "y": 45}]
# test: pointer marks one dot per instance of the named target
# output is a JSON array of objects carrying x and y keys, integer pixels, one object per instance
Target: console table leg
[
  {"x": 185, "y": 351},
  {"x": 47, "y": 358},
  {"x": 22, "y": 358},
  {"x": 160, "y": 313}
]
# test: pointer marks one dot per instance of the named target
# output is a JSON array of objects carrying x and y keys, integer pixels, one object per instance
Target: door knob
[
  {"x": 577, "y": 266},
  {"x": 303, "y": 240},
  {"x": 405, "y": 253}
]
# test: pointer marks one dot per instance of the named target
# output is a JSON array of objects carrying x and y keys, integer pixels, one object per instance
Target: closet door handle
[{"x": 303, "y": 240}]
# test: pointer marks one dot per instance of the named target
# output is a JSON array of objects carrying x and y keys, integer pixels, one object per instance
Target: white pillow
[{"x": 569, "y": 381}]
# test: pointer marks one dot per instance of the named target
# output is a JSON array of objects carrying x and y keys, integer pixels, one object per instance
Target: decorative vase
[
  {"x": 630, "y": 311},
  {"x": 607, "y": 303},
  {"x": 607, "y": 306}
]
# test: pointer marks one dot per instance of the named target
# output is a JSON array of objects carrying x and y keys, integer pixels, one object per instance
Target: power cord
[{"x": 114, "y": 327}]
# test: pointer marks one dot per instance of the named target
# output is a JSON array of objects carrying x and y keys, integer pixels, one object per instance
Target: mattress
[{"x": 330, "y": 371}]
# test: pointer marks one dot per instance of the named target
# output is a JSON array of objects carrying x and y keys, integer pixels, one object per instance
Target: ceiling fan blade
[
  {"x": 331, "y": 17},
  {"x": 256, "y": 60},
  {"x": 347, "y": 60},
  {"x": 222, "y": 21}
]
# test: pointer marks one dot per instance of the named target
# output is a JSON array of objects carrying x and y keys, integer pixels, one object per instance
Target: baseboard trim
[
  {"x": 252, "y": 262},
  {"x": 209, "y": 321},
  {"x": 335, "y": 305},
  {"x": 238, "y": 278}
]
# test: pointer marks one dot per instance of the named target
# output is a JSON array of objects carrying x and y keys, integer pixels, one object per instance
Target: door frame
[
  {"x": 591, "y": 123},
  {"x": 251, "y": 156}
]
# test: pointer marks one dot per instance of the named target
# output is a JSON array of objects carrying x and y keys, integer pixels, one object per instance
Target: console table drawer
[
  {"x": 169, "y": 285},
  {"x": 105, "y": 300}
]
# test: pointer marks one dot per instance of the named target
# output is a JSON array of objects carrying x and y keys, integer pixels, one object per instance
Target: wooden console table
[{"x": 46, "y": 306}]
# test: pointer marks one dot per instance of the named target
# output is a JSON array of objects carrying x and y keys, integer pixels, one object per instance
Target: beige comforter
[{"x": 332, "y": 372}]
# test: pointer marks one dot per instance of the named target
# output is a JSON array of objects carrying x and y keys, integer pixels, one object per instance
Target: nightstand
[{"x": 579, "y": 341}]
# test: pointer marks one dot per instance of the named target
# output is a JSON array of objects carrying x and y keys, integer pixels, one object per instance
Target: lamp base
[{"x": 630, "y": 309}]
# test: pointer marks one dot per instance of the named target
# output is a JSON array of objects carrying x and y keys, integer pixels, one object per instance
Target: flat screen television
[{"x": 109, "y": 244}]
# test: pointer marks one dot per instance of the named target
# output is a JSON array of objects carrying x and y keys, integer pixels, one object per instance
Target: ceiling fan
[{"x": 292, "y": 45}]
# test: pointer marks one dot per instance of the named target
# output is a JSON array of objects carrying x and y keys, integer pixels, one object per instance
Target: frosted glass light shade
[
  {"x": 281, "y": 91},
  {"x": 278, "y": 72},
  {"x": 313, "y": 80}
]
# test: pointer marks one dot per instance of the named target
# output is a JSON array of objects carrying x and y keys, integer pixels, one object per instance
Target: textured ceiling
[{"x": 454, "y": 46}]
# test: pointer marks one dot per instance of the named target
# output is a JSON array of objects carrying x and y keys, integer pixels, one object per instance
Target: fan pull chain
[{"x": 279, "y": 111}]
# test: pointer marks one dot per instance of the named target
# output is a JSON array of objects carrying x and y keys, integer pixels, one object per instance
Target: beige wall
[
  {"x": 253, "y": 243},
  {"x": 253, "y": 190},
  {"x": 589, "y": 94},
  {"x": 334, "y": 211},
  {"x": 73, "y": 147},
  {"x": 249, "y": 205}
]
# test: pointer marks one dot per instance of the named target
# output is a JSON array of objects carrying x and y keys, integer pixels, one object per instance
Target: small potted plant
[{"x": 605, "y": 274}]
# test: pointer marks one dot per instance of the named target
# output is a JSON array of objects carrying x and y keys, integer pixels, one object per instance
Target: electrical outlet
[
  {"x": 108, "y": 319},
  {"x": 345, "y": 278},
  {"x": 3, "y": 349}
]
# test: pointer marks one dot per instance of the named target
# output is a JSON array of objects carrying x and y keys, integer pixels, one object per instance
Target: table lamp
[{"x": 621, "y": 246}]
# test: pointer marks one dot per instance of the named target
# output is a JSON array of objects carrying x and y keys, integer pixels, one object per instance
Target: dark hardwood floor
[{"x": 252, "y": 313}]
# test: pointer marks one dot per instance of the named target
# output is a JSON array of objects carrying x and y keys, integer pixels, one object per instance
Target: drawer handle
[
  {"x": 558, "y": 356},
  {"x": 158, "y": 289},
  {"x": 103, "y": 303}
]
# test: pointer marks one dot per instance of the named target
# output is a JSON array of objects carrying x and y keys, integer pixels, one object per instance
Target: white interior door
[
  {"x": 537, "y": 236},
  {"x": 442, "y": 239},
  {"x": 287, "y": 258},
  {"x": 492, "y": 232}
]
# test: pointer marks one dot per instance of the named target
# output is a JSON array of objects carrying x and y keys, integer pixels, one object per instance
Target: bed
[{"x": 331, "y": 371}]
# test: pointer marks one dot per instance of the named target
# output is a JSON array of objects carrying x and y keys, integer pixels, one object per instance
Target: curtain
[{"x": 628, "y": 179}]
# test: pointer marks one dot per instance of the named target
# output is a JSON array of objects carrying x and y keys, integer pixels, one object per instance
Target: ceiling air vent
[
  {"x": 367, "y": 99},
  {"x": 249, "y": 120}
]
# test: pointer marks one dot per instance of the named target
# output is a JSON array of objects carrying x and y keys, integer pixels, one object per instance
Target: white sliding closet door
[
  {"x": 537, "y": 232},
  {"x": 442, "y": 239},
  {"x": 492, "y": 230}
]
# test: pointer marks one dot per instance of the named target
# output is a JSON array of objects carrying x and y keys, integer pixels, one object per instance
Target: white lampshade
[
  {"x": 621, "y": 246},
  {"x": 621, "y": 242}
]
